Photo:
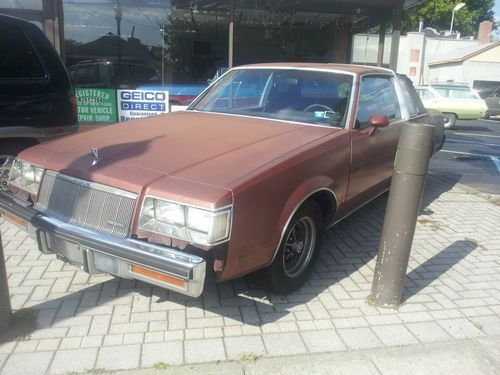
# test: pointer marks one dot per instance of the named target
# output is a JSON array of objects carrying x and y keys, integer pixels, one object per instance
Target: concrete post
[
  {"x": 5, "y": 307},
  {"x": 410, "y": 167}
]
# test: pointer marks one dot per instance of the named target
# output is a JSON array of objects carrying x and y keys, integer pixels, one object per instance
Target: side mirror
[{"x": 378, "y": 121}]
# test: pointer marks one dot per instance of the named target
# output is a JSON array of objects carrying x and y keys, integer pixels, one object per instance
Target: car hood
[{"x": 212, "y": 149}]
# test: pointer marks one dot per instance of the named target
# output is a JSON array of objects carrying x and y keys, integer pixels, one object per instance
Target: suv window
[
  {"x": 377, "y": 96},
  {"x": 21, "y": 60}
]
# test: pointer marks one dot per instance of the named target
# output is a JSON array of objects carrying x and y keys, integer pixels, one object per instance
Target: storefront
[{"x": 180, "y": 46}]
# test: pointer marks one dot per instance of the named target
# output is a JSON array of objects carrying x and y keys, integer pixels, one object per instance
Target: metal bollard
[
  {"x": 410, "y": 167},
  {"x": 5, "y": 307}
]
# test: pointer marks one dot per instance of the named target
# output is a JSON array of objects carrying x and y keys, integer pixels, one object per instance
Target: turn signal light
[
  {"x": 14, "y": 219},
  {"x": 158, "y": 276}
]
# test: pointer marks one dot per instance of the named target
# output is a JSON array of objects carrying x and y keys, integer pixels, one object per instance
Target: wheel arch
[{"x": 324, "y": 196}]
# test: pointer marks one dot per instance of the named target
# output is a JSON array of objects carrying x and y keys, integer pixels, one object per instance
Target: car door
[
  {"x": 373, "y": 150},
  {"x": 493, "y": 102}
]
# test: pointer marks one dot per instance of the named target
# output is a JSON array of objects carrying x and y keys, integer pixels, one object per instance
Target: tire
[
  {"x": 9, "y": 150},
  {"x": 298, "y": 250},
  {"x": 449, "y": 120}
]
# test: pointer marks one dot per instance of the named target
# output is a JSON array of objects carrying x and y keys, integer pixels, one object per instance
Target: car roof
[
  {"x": 443, "y": 85},
  {"x": 349, "y": 68}
]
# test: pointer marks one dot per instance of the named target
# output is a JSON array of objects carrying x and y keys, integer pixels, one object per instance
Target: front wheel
[
  {"x": 449, "y": 120},
  {"x": 298, "y": 250}
]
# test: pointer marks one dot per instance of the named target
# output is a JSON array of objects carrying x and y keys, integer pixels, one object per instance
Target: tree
[{"x": 437, "y": 14}]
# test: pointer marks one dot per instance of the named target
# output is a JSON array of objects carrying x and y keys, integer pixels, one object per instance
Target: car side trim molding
[{"x": 297, "y": 206}]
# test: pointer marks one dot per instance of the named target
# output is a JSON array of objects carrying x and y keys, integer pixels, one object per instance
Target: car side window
[
  {"x": 412, "y": 99},
  {"x": 377, "y": 96},
  {"x": 20, "y": 60},
  {"x": 425, "y": 94}
]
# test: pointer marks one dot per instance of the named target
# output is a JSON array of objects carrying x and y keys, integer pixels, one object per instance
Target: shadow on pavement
[
  {"x": 429, "y": 271},
  {"x": 347, "y": 247}
]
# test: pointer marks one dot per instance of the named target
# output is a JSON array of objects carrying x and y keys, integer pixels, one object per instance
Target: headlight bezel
[
  {"x": 186, "y": 231},
  {"x": 29, "y": 185}
]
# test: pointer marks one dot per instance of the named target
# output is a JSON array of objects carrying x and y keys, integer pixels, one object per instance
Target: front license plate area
[{"x": 70, "y": 251}]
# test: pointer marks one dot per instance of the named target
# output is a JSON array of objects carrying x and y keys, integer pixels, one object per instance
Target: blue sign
[{"x": 133, "y": 104}]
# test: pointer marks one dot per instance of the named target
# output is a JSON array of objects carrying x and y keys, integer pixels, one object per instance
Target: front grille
[{"x": 85, "y": 204}]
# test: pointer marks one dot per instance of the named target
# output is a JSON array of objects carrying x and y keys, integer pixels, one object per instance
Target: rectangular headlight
[
  {"x": 25, "y": 176},
  {"x": 192, "y": 224}
]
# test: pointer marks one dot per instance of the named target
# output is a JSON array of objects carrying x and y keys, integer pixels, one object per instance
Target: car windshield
[
  {"x": 457, "y": 92},
  {"x": 306, "y": 96}
]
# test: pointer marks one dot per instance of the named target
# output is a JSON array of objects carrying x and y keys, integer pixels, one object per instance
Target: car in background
[
  {"x": 246, "y": 179},
  {"x": 180, "y": 95},
  {"x": 454, "y": 101},
  {"x": 102, "y": 73},
  {"x": 492, "y": 99},
  {"x": 37, "y": 99}
]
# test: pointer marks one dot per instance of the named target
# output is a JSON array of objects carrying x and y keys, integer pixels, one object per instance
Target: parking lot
[
  {"x": 471, "y": 155},
  {"x": 68, "y": 321}
]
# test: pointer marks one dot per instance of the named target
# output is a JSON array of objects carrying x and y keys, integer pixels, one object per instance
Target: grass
[
  {"x": 161, "y": 366},
  {"x": 248, "y": 357}
]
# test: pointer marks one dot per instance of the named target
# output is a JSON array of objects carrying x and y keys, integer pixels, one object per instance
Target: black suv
[{"x": 37, "y": 99}]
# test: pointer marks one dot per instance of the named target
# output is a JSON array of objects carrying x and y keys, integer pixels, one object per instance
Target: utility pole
[{"x": 231, "y": 35}]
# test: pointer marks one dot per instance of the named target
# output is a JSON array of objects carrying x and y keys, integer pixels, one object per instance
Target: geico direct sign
[{"x": 156, "y": 96}]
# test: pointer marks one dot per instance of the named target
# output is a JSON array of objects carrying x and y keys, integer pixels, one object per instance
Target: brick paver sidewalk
[{"x": 68, "y": 321}]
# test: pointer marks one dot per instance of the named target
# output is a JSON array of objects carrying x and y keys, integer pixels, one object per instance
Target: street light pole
[
  {"x": 117, "y": 8},
  {"x": 162, "y": 56},
  {"x": 456, "y": 8}
]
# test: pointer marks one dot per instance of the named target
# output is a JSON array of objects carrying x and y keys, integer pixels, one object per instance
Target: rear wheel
[
  {"x": 449, "y": 120},
  {"x": 298, "y": 250},
  {"x": 8, "y": 152}
]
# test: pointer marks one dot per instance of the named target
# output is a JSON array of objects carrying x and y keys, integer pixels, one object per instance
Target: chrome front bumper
[{"x": 97, "y": 253}]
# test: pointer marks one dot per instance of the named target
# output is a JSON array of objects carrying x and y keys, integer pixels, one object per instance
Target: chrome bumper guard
[{"x": 97, "y": 253}]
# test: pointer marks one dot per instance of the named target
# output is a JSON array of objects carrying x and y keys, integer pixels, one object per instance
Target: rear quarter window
[
  {"x": 19, "y": 60},
  {"x": 411, "y": 98}
]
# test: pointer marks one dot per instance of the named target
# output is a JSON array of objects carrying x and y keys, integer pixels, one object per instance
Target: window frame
[
  {"x": 350, "y": 105},
  {"x": 403, "y": 113}
]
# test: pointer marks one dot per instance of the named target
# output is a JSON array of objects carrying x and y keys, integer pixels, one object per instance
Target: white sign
[{"x": 134, "y": 104}]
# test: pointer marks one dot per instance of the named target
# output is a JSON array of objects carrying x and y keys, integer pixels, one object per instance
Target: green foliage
[
  {"x": 437, "y": 14},
  {"x": 248, "y": 357},
  {"x": 161, "y": 366}
]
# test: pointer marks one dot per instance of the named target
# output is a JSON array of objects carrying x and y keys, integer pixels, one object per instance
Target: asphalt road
[{"x": 471, "y": 155}]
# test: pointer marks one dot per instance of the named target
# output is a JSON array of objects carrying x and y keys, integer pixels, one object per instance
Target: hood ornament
[{"x": 95, "y": 156}]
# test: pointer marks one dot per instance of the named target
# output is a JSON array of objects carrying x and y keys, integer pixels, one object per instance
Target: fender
[{"x": 303, "y": 192}]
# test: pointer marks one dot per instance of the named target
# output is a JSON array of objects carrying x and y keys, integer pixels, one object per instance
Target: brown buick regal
[{"x": 246, "y": 179}]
